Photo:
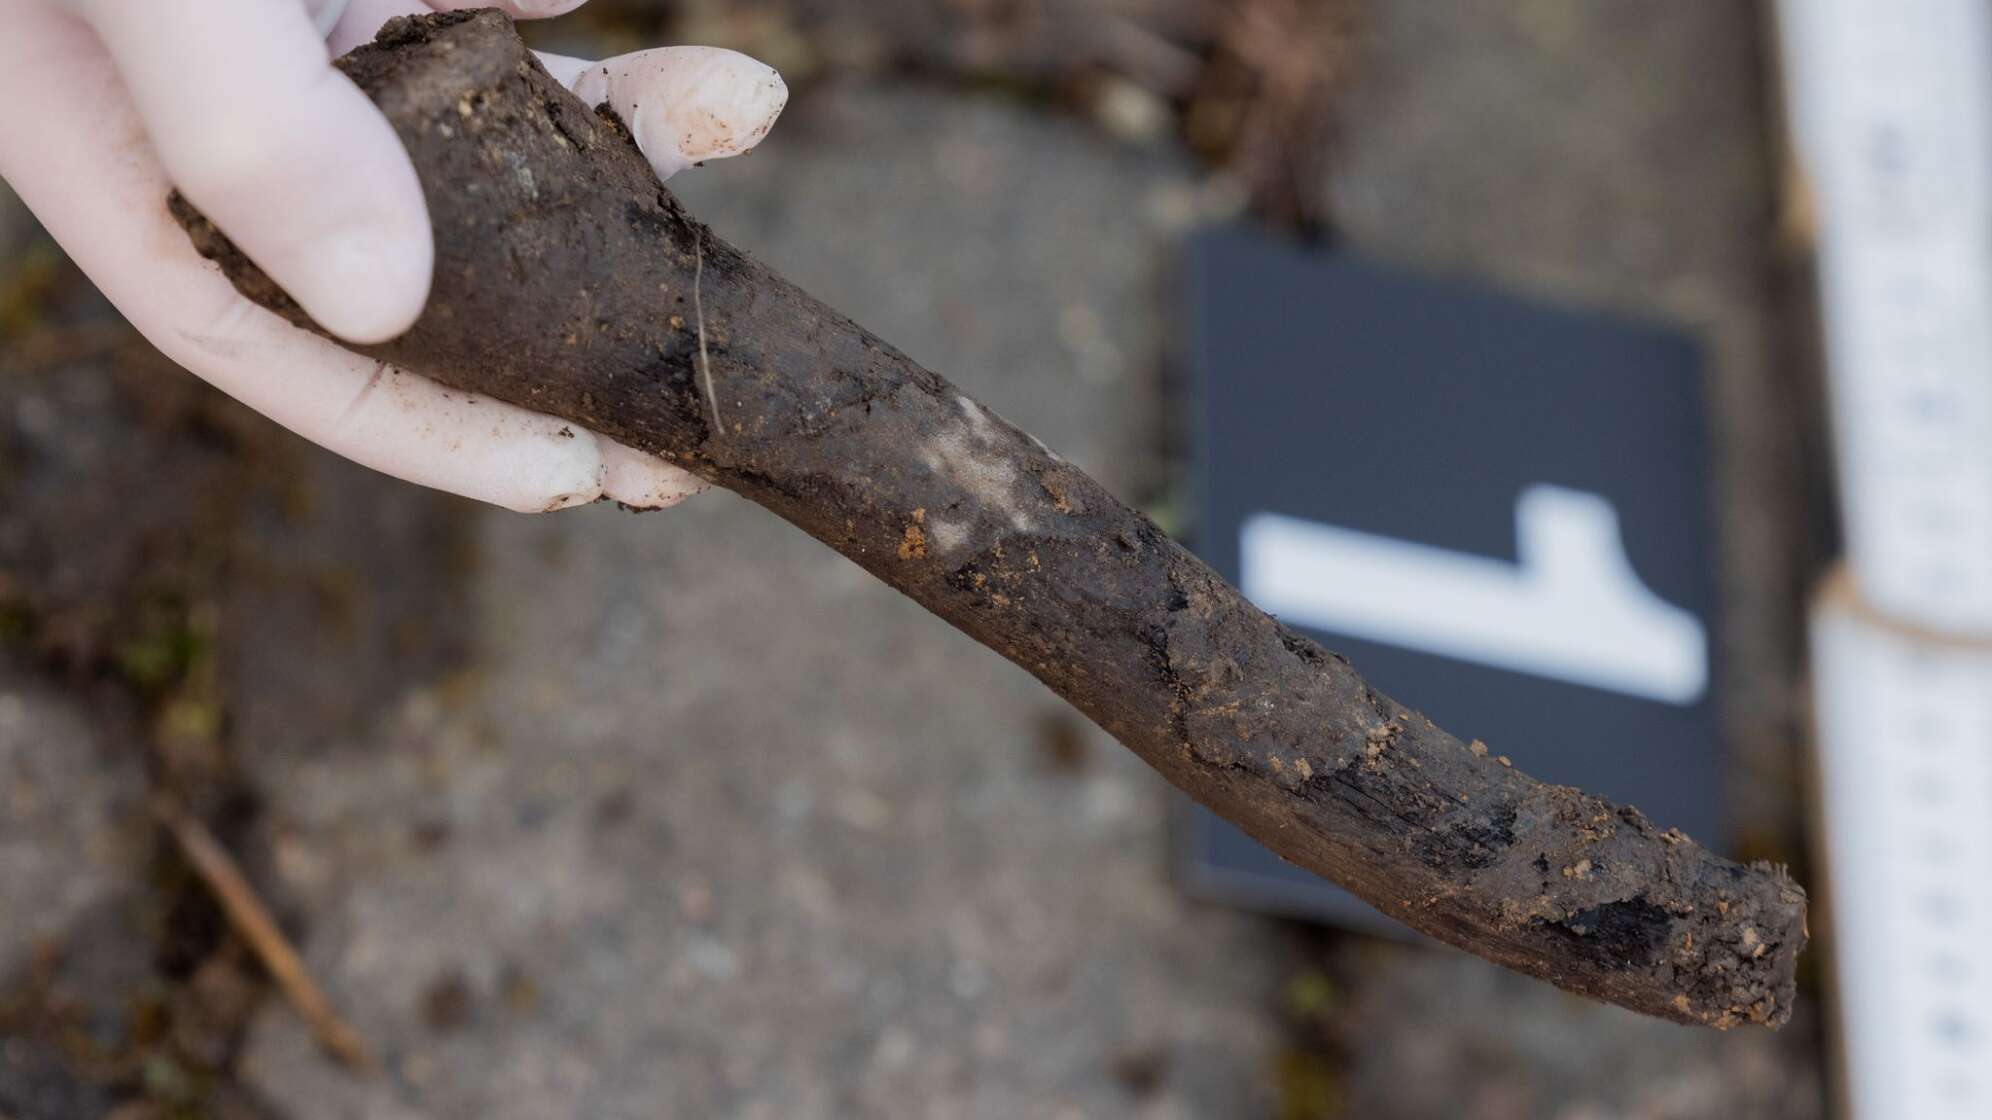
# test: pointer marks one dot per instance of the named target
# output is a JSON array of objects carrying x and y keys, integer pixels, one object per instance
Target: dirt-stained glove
[{"x": 104, "y": 103}]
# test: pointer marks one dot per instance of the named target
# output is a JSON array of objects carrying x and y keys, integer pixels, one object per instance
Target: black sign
[{"x": 1499, "y": 511}]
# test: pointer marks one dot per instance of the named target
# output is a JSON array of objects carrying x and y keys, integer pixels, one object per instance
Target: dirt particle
[
  {"x": 518, "y": 989},
  {"x": 614, "y": 809},
  {"x": 1056, "y": 493},
  {"x": 913, "y": 543},
  {"x": 446, "y": 1003},
  {"x": 1505, "y": 761},
  {"x": 1378, "y": 740},
  {"x": 1061, "y": 742},
  {"x": 1579, "y": 870},
  {"x": 430, "y": 835},
  {"x": 695, "y": 900},
  {"x": 1478, "y": 748},
  {"x": 1140, "y": 1072}
]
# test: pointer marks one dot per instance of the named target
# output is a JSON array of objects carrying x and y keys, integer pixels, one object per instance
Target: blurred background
[{"x": 604, "y": 815}]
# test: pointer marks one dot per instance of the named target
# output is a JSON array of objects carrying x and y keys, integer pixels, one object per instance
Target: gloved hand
[{"x": 103, "y": 103}]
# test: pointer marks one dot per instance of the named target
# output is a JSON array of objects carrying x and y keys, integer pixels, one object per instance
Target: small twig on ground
[{"x": 250, "y": 918}]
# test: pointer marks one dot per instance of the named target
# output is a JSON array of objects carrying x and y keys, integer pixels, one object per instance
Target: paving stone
[{"x": 67, "y": 811}]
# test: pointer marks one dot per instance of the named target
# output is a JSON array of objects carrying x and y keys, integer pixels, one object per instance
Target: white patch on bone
[
  {"x": 944, "y": 537},
  {"x": 978, "y": 420},
  {"x": 962, "y": 456}
]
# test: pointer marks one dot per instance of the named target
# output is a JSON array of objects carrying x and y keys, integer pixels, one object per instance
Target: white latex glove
[{"x": 103, "y": 103}]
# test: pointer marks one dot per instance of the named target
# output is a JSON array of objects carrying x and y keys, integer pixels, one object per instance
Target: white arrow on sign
[{"x": 1571, "y": 609}]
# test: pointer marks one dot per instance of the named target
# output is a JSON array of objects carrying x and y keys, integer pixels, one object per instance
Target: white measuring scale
[
  {"x": 1891, "y": 108},
  {"x": 1905, "y": 729},
  {"x": 1891, "y": 102}
]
